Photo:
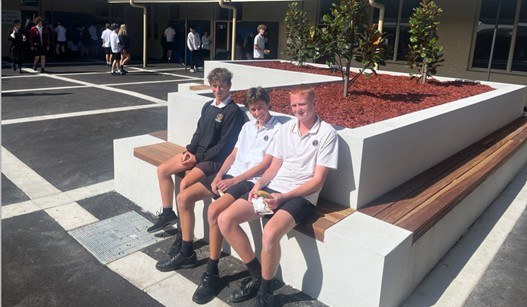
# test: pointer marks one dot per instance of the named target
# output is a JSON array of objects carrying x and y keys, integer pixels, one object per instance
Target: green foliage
[
  {"x": 346, "y": 36},
  {"x": 425, "y": 53},
  {"x": 299, "y": 46}
]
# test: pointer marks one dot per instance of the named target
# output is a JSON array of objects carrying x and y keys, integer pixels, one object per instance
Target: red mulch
[{"x": 372, "y": 99}]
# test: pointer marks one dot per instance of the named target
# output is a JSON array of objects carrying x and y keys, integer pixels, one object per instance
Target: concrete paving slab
[
  {"x": 11, "y": 193},
  {"x": 71, "y": 216},
  {"x": 43, "y": 266},
  {"x": 61, "y": 101},
  {"x": 86, "y": 156},
  {"x": 503, "y": 284},
  {"x": 20, "y": 208}
]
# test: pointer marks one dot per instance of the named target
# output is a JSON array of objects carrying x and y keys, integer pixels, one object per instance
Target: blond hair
[{"x": 304, "y": 90}]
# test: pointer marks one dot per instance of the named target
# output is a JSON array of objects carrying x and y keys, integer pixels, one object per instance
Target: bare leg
[
  {"x": 215, "y": 237},
  {"x": 190, "y": 192},
  {"x": 229, "y": 221},
  {"x": 274, "y": 230},
  {"x": 164, "y": 175}
]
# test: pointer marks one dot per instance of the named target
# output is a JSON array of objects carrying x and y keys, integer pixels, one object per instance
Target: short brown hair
[
  {"x": 262, "y": 26},
  {"x": 220, "y": 74},
  {"x": 305, "y": 90},
  {"x": 255, "y": 94}
]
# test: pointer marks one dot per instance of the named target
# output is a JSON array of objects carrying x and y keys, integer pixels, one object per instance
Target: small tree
[
  {"x": 424, "y": 52},
  {"x": 298, "y": 45},
  {"x": 346, "y": 37}
]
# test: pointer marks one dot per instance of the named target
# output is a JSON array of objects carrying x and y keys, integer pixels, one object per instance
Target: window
[
  {"x": 396, "y": 25},
  {"x": 501, "y": 37}
]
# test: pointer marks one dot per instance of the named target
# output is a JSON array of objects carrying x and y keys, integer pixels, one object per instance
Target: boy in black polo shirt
[{"x": 216, "y": 134}]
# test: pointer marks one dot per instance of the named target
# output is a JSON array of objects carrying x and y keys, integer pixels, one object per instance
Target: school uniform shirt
[
  {"x": 301, "y": 154},
  {"x": 61, "y": 34},
  {"x": 259, "y": 41},
  {"x": 105, "y": 36},
  {"x": 217, "y": 131},
  {"x": 169, "y": 34},
  {"x": 114, "y": 42},
  {"x": 206, "y": 41},
  {"x": 193, "y": 41},
  {"x": 252, "y": 145}
]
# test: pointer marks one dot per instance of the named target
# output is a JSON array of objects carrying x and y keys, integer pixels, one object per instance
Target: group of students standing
[
  {"x": 38, "y": 37},
  {"x": 116, "y": 44},
  {"x": 237, "y": 163},
  {"x": 198, "y": 46}
]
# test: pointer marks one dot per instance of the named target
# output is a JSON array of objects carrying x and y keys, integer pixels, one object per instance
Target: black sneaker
[
  {"x": 42, "y": 70},
  {"x": 176, "y": 246},
  {"x": 206, "y": 289},
  {"x": 163, "y": 221},
  {"x": 177, "y": 262},
  {"x": 35, "y": 67},
  {"x": 264, "y": 299},
  {"x": 123, "y": 71},
  {"x": 248, "y": 289}
]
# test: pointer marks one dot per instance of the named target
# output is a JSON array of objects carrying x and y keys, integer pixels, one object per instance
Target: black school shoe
[
  {"x": 176, "y": 246},
  {"x": 264, "y": 299},
  {"x": 177, "y": 262},
  {"x": 248, "y": 289},
  {"x": 163, "y": 221},
  {"x": 207, "y": 288}
]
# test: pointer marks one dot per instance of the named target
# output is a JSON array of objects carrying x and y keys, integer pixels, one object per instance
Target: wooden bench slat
[
  {"x": 428, "y": 213},
  {"x": 422, "y": 201},
  {"x": 411, "y": 189},
  {"x": 160, "y": 135},
  {"x": 413, "y": 200},
  {"x": 158, "y": 153}
]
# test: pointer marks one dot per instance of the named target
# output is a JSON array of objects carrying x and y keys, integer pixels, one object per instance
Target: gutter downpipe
[
  {"x": 132, "y": 3},
  {"x": 380, "y": 25},
  {"x": 233, "y": 35}
]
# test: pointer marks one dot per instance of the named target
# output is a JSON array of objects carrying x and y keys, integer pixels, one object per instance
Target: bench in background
[{"x": 418, "y": 204}]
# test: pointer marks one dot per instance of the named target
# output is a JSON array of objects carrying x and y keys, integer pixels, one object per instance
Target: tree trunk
[
  {"x": 424, "y": 69},
  {"x": 347, "y": 72}
]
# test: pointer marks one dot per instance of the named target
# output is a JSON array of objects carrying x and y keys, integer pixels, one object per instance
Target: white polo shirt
[
  {"x": 106, "y": 37},
  {"x": 252, "y": 145},
  {"x": 300, "y": 155}
]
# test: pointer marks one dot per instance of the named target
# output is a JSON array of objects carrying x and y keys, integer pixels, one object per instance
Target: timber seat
[
  {"x": 327, "y": 213},
  {"x": 418, "y": 204}
]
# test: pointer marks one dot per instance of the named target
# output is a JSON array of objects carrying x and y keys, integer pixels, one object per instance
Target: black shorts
[
  {"x": 108, "y": 50},
  {"x": 299, "y": 208},
  {"x": 236, "y": 190},
  {"x": 116, "y": 56},
  {"x": 39, "y": 50},
  {"x": 209, "y": 168}
]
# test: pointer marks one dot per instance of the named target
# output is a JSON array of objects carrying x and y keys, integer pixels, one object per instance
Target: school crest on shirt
[
  {"x": 266, "y": 138},
  {"x": 315, "y": 143},
  {"x": 219, "y": 118}
]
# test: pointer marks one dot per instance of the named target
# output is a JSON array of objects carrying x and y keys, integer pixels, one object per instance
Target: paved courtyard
[{"x": 57, "y": 179}]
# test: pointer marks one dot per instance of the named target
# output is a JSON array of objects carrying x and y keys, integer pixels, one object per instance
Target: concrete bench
[
  {"x": 327, "y": 213},
  {"x": 418, "y": 204}
]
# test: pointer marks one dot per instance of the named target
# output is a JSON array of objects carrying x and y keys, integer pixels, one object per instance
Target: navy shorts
[
  {"x": 108, "y": 50},
  {"x": 236, "y": 190},
  {"x": 299, "y": 208},
  {"x": 209, "y": 168}
]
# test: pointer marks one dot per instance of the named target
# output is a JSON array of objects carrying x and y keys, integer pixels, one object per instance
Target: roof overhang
[{"x": 193, "y": 1}]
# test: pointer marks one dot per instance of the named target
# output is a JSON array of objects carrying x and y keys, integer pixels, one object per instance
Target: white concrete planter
[{"x": 377, "y": 157}]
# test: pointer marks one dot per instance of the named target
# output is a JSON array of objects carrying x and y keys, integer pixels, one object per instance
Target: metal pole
[
  {"x": 494, "y": 40},
  {"x": 144, "y": 28}
]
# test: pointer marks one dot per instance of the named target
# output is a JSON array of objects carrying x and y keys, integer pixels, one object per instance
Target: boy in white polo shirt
[
  {"x": 235, "y": 178},
  {"x": 305, "y": 149}
]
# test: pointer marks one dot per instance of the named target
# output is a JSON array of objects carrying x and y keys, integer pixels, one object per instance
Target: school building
[{"x": 482, "y": 39}]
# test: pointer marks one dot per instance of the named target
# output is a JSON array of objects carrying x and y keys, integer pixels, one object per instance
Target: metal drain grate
[{"x": 116, "y": 237}]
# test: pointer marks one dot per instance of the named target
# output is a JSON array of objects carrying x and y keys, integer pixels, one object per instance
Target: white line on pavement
[
  {"x": 44, "y": 89},
  {"x": 82, "y": 113}
]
